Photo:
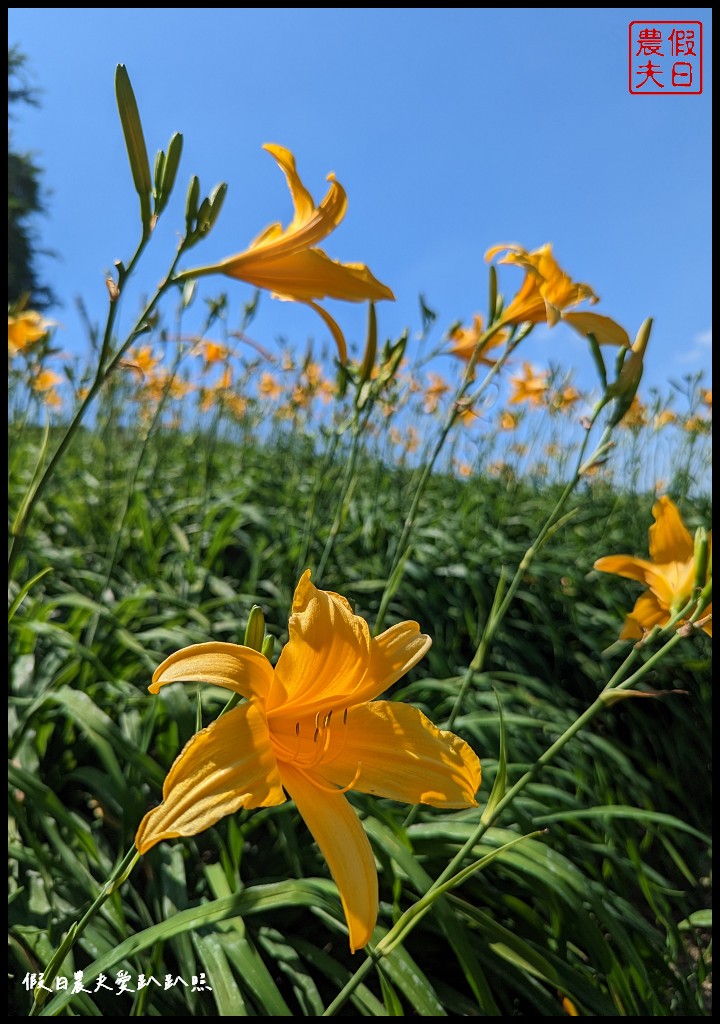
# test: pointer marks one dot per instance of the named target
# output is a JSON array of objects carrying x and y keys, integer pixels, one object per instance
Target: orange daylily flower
[
  {"x": 636, "y": 415},
  {"x": 465, "y": 341},
  {"x": 45, "y": 380},
  {"x": 664, "y": 418},
  {"x": 25, "y": 328},
  {"x": 269, "y": 386},
  {"x": 565, "y": 398},
  {"x": 313, "y": 729},
  {"x": 508, "y": 420},
  {"x": 161, "y": 382},
  {"x": 286, "y": 262},
  {"x": 548, "y": 292},
  {"x": 214, "y": 352},
  {"x": 142, "y": 359},
  {"x": 436, "y": 388},
  {"x": 669, "y": 575},
  {"x": 531, "y": 387},
  {"x": 697, "y": 425}
]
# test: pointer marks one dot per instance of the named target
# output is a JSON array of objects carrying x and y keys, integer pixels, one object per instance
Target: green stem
[
  {"x": 453, "y": 413},
  {"x": 405, "y": 921},
  {"x": 498, "y": 613},
  {"x": 322, "y": 474},
  {"x": 106, "y": 365},
  {"x": 129, "y": 491},
  {"x": 359, "y": 425},
  {"x": 116, "y": 879}
]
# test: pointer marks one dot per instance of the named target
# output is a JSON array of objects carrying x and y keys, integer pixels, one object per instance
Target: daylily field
[{"x": 353, "y": 679}]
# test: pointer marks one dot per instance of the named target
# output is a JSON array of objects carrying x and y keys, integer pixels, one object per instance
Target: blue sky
[{"x": 451, "y": 129}]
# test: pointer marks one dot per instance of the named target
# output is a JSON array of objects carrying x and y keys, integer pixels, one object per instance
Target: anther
[
  {"x": 326, "y": 720},
  {"x": 297, "y": 728},
  {"x": 316, "y": 735},
  {"x": 345, "y": 716}
]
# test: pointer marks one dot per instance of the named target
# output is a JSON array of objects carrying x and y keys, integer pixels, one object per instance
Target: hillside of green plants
[
  {"x": 150, "y": 555},
  {"x": 353, "y": 686}
]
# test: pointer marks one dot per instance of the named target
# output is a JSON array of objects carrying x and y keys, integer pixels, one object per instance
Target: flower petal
[
  {"x": 546, "y": 289},
  {"x": 603, "y": 328},
  {"x": 310, "y": 223},
  {"x": 231, "y": 666},
  {"x": 392, "y": 655},
  {"x": 338, "y": 832},
  {"x": 626, "y": 565},
  {"x": 326, "y": 656},
  {"x": 303, "y": 202},
  {"x": 391, "y": 749},
  {"x": 334, "y": 329},
  {"x": 514, "y": 255},
  {"x": 648, "y": 612},
  {"x": 663, "y": 580},
  {"x": 528, "y": 306},
  {"x": 222, "y": 768},
  {"x": 670, "y": 540},
  {"x": 307, "y": 274}
]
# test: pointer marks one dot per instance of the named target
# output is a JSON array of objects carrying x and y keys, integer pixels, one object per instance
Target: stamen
[
  {"x": 345, "y": 716},
  {"x": 326, "y": 720},
  {"x": 297, "y": 728},
  {"x": 317, "y": 721},
  {"x": 316, "y": 735},
  {"x": 332, "y": 789}
]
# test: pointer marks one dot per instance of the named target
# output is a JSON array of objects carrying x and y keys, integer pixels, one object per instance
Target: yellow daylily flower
[
  {"x": 508, "y": 420},
  {"x": 286, "y": 262},
  {"x": 45, "y": 380},
  {"x": 436, "y": 388},
  {"x": 269, "y": 387},
  {"x": 313, "y": 729},
  {"x": 142, "y": 359},
  {"x": 465, "y": 341},
  {"x": 25, "y": 328},
  {"x": 697, "y": 425},
  {"x": 214, "y": 352},
  {"x": 565, "y": 398},
  {"x": 636, "y": 415},
  {"x": 531, "y": 387},
  {"x": 161, "y": 382},
  {"x": 669, "y": 575},
  {"x": 664, "y": 418},
  {"x": 548, "y": 292}
]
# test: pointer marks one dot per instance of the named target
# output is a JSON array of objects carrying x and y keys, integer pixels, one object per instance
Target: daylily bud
[
  {"x": 268, "y": 646},
  {"x": 396, "y": 352},
  {"x": 628, "y": 380},
  {"x": 188, "y": 293},
  {"x": 701, "y": 557},
  {"x": 493, "y": 295},
  {"x": 629, "y": 377},
  {"x": 166, "y": 167},
  {"x": 191, "y": 204},
  {"x": 370, "y": 346},
  {"x": 255, "y": 629},
  {"x": 134, "y": 141}
]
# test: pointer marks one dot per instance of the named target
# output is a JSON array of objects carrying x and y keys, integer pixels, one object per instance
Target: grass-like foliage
[{"x": 181, "y": 486}]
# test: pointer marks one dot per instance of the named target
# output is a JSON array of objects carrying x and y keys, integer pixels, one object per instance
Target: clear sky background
[{"x": 452, "y": 130}]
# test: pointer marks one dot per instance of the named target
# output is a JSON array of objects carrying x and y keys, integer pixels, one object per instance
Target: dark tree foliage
[{"x": 25, "y": 201}]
